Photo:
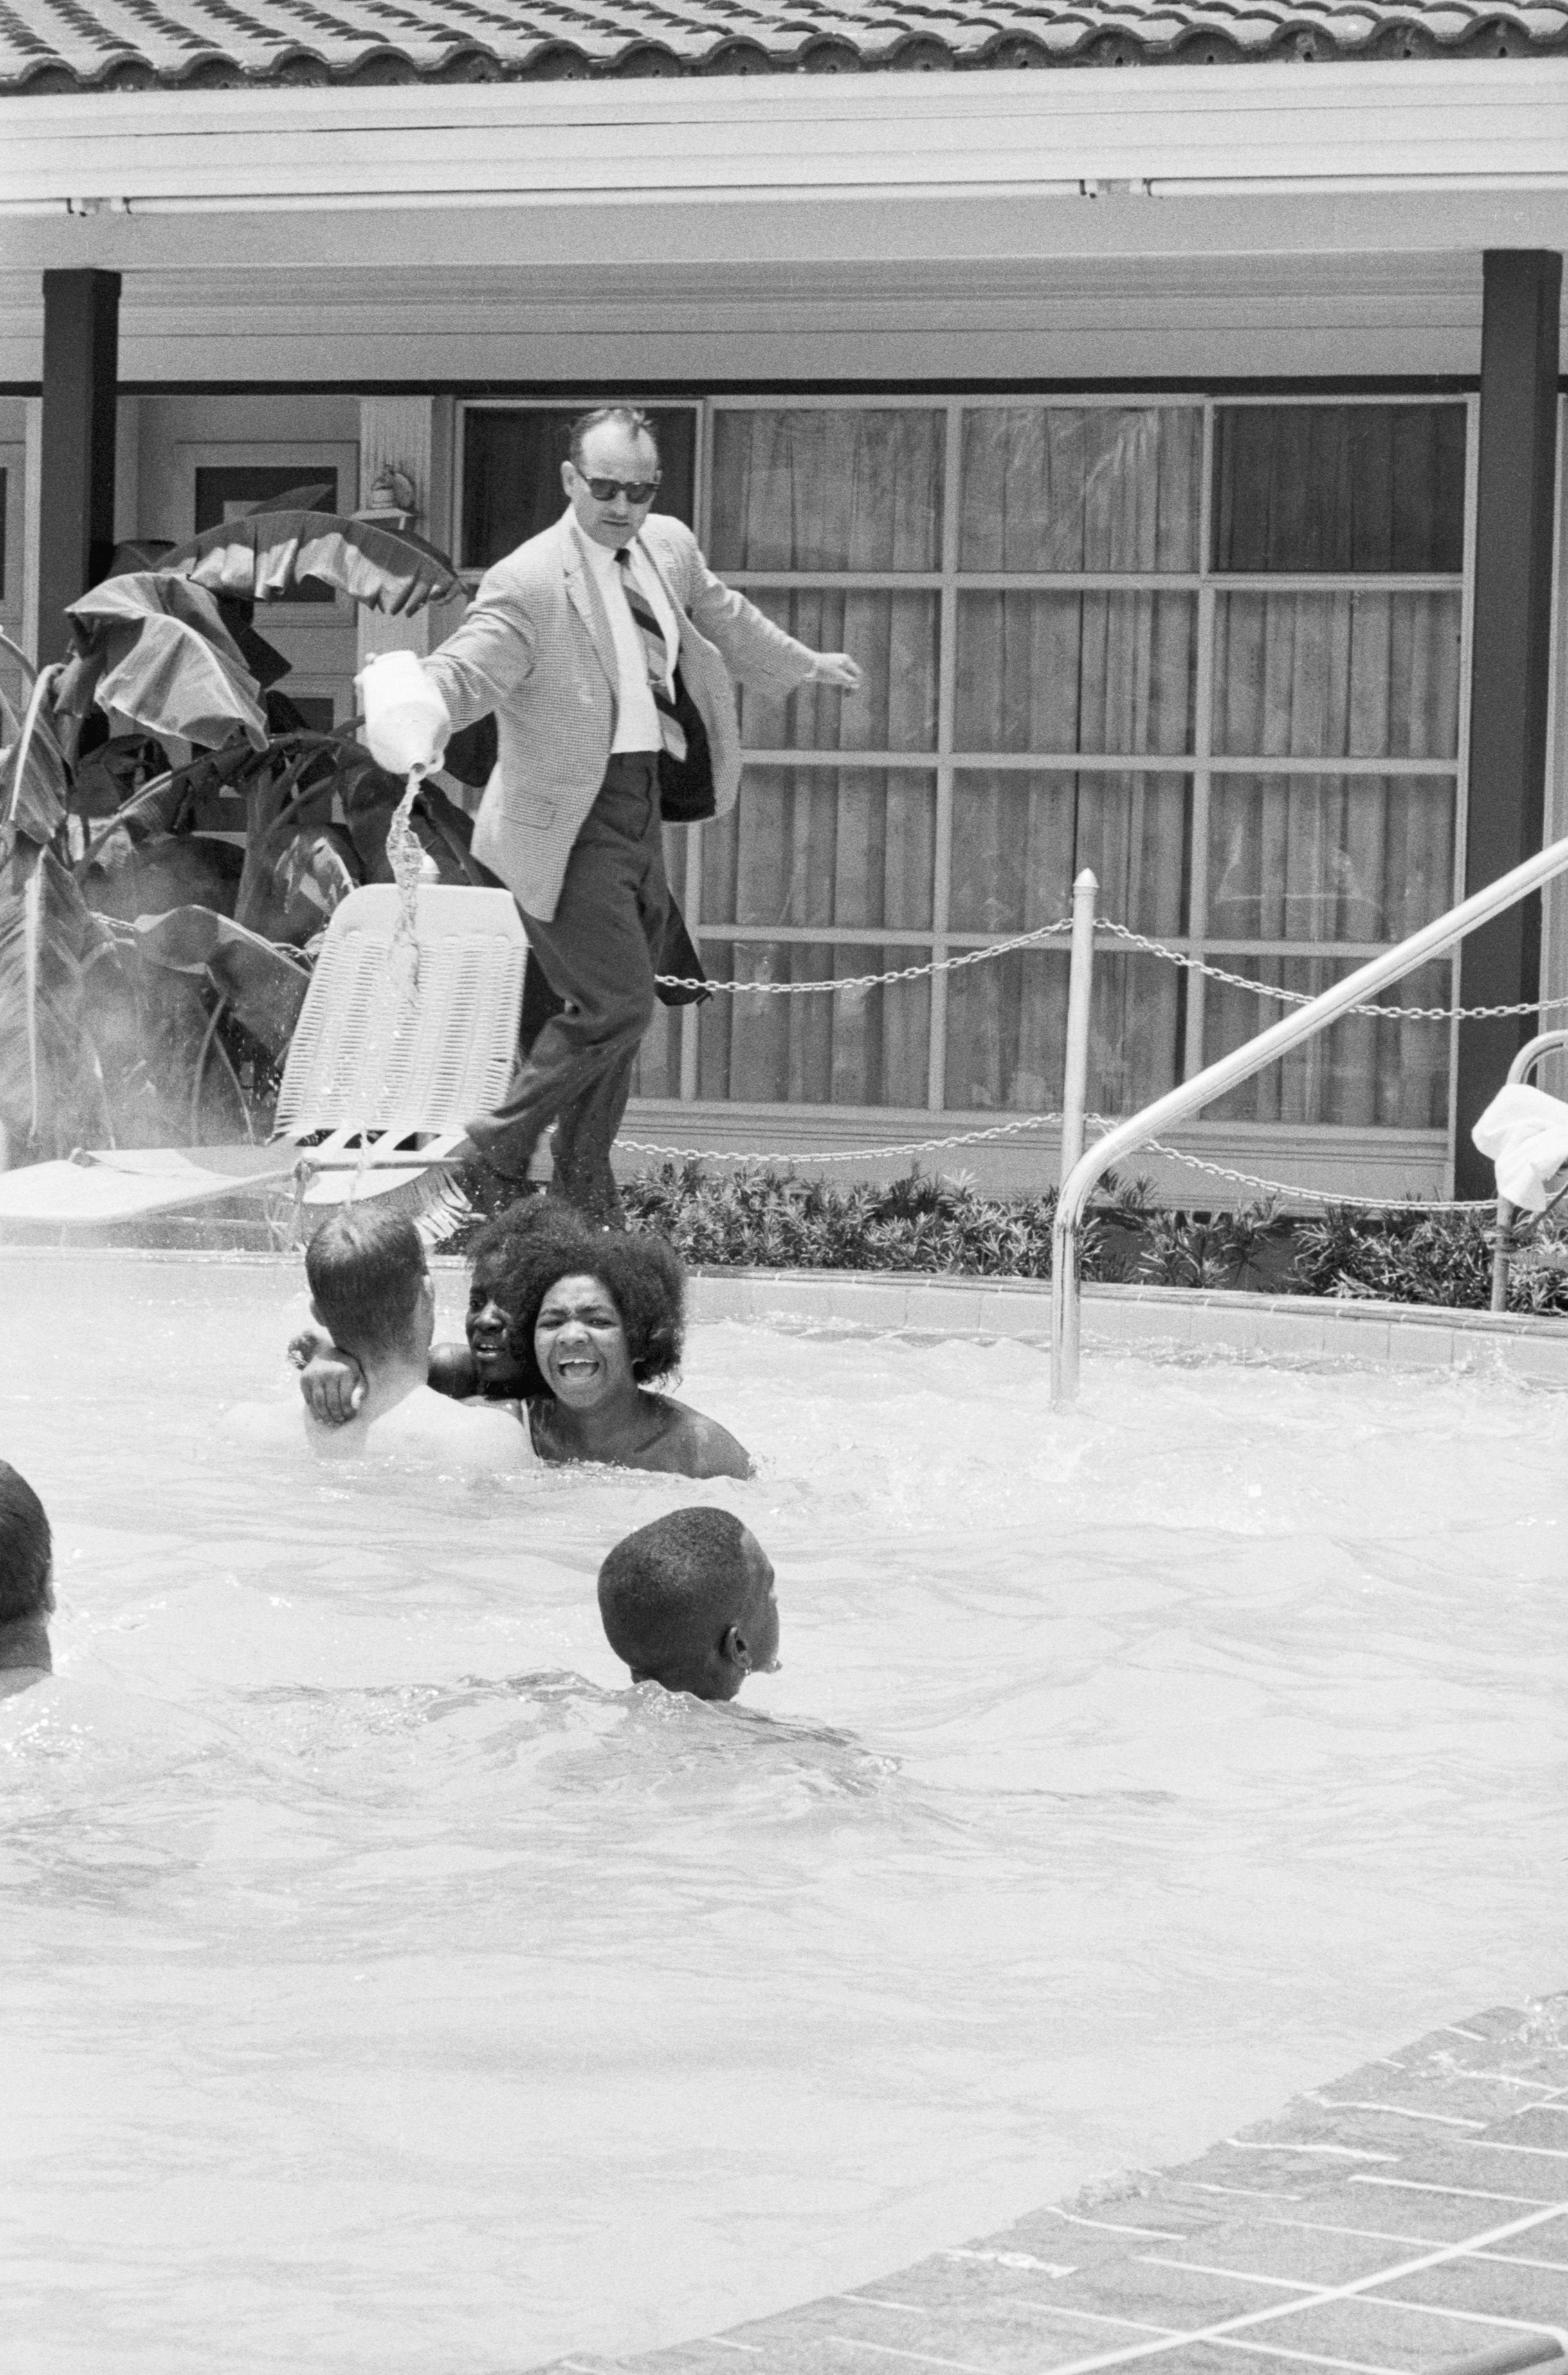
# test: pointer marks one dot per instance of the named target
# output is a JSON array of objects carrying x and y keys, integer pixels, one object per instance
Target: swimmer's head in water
[
  {"x": 688, "y": 1602},
  {"x": 26, "y": 1551},
  {"x": 370, "y": 1286},
  {"x": 486, "y": 1324},
  {"x": 641, "y": 1275}
]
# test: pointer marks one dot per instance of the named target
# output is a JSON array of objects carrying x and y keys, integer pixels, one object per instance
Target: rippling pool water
[{"x": 388, "y": 1986}]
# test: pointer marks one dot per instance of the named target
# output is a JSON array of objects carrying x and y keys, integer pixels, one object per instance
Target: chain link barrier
[
  {"x": 1181, "y": 957},
  {"x": 1039, "y": 1121},
  {"x": 1305, "y": 997},
  {"x": 1315, "y": 1195},
  {"x": 869, "y": 980},
  {"x": 841, "y": 1153}
]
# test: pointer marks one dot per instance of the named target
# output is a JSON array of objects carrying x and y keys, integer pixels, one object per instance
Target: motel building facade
[{"x": 1176, "y": 447}]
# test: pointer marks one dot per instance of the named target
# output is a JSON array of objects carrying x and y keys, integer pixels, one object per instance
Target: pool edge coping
[
  {"x": 1156, "y": 1319},
  {"x": 1298, "y": 2154},
  {"x": 1172, "y": 1321}
]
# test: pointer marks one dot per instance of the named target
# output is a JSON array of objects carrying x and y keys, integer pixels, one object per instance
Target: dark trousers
[{"x": 598, "y": 952}]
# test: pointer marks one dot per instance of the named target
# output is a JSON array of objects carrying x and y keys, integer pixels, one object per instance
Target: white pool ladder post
[
  {"x": 1075, "y": 1098},
  {"x": 1524, "y": 1064},
  {"x": 1080, "y": 999},
  {"x": 1217, "y": 1079}
]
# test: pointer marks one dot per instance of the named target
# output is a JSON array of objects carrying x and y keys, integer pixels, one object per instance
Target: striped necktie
[{"x": 657, "y": 650}]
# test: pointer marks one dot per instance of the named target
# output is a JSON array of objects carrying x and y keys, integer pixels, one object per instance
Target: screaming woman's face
[{"x": 580, "y": 1344}]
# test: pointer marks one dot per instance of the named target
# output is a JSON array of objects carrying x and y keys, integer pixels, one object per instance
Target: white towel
[{"x": 1525, "y": 1132}]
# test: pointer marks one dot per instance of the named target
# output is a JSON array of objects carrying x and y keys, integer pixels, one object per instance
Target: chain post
[
  {"x": 1064, "y": 1299},
  {"x": 1080, "y": 999}
]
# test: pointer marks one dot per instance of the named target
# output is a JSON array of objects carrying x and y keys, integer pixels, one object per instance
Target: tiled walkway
[{"x": 1414, "y": 2214}]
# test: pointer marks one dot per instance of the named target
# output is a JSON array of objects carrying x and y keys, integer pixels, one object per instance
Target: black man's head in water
[{"x": 688, "y": 1602}]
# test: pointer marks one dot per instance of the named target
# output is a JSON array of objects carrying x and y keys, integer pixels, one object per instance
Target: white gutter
[
  {"x": 254, "y": 202},
  {"x": 1489, "y": 126}
]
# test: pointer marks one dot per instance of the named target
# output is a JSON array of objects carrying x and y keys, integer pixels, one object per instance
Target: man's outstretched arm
[{"x": 758, "y": 651}]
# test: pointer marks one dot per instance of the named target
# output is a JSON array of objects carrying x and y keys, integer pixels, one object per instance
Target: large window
[{"x": 1211, "y": 649}]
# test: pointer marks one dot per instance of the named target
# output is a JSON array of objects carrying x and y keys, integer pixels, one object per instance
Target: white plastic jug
[{"x": 406, "y": 722}]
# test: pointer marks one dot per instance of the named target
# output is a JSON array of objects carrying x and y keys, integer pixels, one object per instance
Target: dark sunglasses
[{"x": 636, "y": 490}]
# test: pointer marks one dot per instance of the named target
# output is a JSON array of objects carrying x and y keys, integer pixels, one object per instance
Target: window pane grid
[
  {"x": 1350, "y": 675},
  {"x": 915, "y": 944},
  {"x": 947, "y": 703},
  {"x": 1113, "y": 761},
  {"x": 909, "y": 946},
  {"x": 1088, "y": 581},
  {"x": 1203, "y": 781}
]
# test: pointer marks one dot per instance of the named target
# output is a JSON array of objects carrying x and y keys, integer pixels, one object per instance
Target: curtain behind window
[
  {"x": 1358, "y": 488},
  {"x": 1363, "y": 857},
  {"x": 1054, "y": 671},
  {"x": 1101, "y": 489},
  {"x": 1368, "y": 489},
  {"x": 825, "y": 490}
]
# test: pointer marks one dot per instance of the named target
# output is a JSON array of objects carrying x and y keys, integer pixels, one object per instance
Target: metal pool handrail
[{"x": 1216, "y": 1080}]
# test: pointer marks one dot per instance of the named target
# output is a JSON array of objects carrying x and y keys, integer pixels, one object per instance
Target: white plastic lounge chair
[{"x": 377, "y": 1091}]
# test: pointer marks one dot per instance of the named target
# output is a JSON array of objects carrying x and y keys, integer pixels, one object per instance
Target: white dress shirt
[{"x": 636, "y": 719}]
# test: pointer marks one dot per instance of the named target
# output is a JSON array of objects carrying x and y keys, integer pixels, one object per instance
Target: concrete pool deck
[{"x": 1413, "y": 2214}]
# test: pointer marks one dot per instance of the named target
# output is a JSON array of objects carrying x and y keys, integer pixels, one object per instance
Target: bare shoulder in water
[{"x": 422, "y": 1427}]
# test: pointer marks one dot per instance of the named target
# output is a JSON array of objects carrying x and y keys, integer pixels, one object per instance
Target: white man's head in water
[
  {"x": 26, "y": 1568},
  {"x": 613, "y": 448},
  {"x": 370, "y": 1286},
  {"x": 688, "y": 1601}
]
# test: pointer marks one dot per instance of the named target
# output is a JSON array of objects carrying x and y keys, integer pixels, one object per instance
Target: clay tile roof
[{"x": 65, "y": 45}]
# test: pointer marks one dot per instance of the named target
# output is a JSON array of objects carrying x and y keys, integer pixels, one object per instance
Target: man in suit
[{"x": 574, "y": 641}]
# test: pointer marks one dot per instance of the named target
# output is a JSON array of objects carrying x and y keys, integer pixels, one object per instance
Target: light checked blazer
[{"x": 535, "y": 648}]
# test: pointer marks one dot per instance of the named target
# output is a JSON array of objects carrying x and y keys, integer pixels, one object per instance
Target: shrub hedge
[{"x": 773, "y": 1219}]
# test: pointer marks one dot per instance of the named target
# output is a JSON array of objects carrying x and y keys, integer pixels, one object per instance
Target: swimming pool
[{"x": 386, "y": 1986}]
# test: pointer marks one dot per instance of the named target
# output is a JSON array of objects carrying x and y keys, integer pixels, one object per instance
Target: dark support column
[
  {"x": 81, "y": 343},
  {"x": 1500, "y": 963}
]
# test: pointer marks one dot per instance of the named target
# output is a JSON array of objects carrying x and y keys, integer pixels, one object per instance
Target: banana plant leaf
[
  {"x": 51, "y": 1088},
  {"x": 28, "y": 666},
  {"x": 265, "y": 986},
  {"x": 34, "y": 780},
  {"x": 154, "y": 648},
  {"x": 264, "y": 554}
]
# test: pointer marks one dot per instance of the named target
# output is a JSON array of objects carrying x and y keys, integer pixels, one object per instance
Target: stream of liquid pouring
[{"x": 397, "y": 1002}]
